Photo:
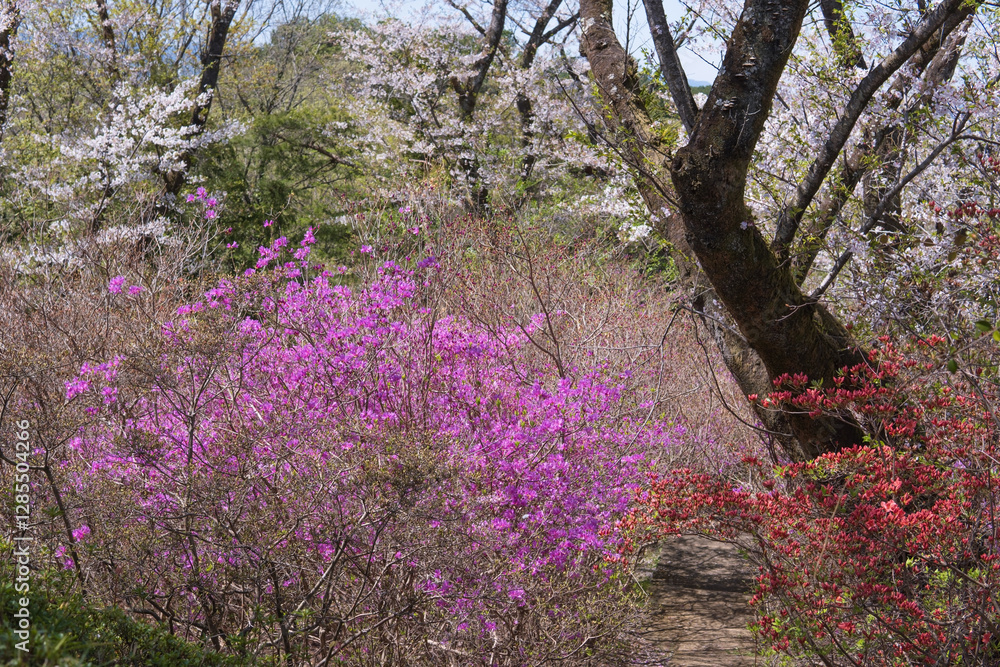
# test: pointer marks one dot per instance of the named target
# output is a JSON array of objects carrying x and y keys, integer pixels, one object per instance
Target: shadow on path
[{"x": 698, "y": 605}]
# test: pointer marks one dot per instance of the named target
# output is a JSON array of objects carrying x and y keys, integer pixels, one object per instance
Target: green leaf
[
  {"x": 984, "y": 325},
  {"x": 953, "y": 366}
]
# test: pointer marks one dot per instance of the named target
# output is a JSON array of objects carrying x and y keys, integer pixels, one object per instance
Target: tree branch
[
  {"x": 560, "y": 26},
  {"x": 956, "y": 134},
  {"x": 537, "y": 37},
  {"x": 790, "y": 219},
  {"x": 935, "y": 63},
  {"x": 670, "y": 64},
  {"x": 223, "y": 12},
  {"x": 465, "y": 12},
  {"x": 525, "y": 108},
  {"x": 493, "y": 34},
  {"x": 845, "y": 43},
  {"x": 108, "y": 38}
]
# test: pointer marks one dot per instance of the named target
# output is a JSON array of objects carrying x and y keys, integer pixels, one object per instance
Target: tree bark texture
[
  {"x": 626, "y": 118},
  {"x": 779, "y": 330}
]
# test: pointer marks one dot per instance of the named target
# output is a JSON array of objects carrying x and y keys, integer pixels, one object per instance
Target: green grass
[{"x": 66, "y": 632}]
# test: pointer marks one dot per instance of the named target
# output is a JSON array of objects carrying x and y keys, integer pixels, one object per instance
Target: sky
[{"x": 698, "y": 71}]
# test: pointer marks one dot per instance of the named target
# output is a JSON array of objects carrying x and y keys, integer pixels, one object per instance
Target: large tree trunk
[
  {"x": 615, "y": 75},
  {"x": 779, "y": 331},
  {"x": 108, "y": 39},
  {"x": 788, "y": 332},
  {"x": 114, "y": 75}
]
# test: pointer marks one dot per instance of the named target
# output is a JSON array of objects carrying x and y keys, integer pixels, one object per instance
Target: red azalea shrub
[{"x": 882, "y": 554}]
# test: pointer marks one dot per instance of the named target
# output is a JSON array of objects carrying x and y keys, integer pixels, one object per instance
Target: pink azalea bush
[{"x": 297, "y": 468}]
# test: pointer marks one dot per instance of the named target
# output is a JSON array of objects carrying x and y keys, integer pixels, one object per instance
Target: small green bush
[{"x": 66, "y": 632}]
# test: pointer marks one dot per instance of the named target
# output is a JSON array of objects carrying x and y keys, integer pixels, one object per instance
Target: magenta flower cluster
[{"x": 289, "y": 426}]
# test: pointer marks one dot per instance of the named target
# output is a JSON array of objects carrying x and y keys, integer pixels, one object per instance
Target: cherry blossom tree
[
  {"x": 10, "y": 19},
  {"x": 447, "y": 92},
  {"x": 110, "y": 103},
  {"x": 832, "y": 125}
]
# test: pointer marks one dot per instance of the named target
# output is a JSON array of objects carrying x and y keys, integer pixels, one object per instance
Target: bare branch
[
  {"x": 858, "y": 102},
  {"x": 670, "y": 64},
  {"x": 560, "y": 26},
  {"x": 538, "y": 36},
  {"x": 465, "y": 12}
]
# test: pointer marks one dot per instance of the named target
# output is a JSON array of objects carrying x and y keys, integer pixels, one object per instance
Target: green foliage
[
  {"x": 291, "y": 164},
  {"x": 65, "y": 631},
  {"x": 655, "y": 97},
  {"x": 282, "y": 169}
]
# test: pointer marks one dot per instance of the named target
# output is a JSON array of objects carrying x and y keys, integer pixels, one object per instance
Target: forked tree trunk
[
  {"x": 778, "y": 330},
  {"x": 615, "y": 75},
  {"x": 539, "y": 35},
  {"x": 468, "y": 89},
  {"x": 781, "y": 330}
]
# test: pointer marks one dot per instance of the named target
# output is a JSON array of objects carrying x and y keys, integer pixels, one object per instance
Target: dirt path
[{"x": 699, "y": 613}]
